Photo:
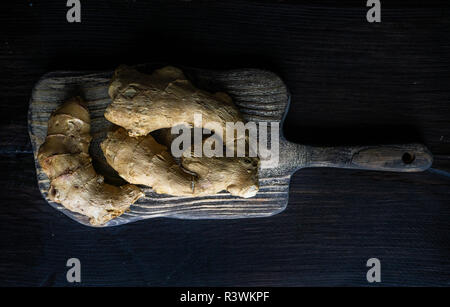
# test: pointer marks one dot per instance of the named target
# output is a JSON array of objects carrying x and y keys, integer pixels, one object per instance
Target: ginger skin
[
  {"x": 238, "y": 176},
  {"x": 142, "y": 160},
  {"x": 143, "y": 103},
  {"x": 64, "y": 158}
]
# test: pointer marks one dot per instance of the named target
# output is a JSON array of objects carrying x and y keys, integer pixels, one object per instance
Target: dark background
[{"x": 352, "y": 82}]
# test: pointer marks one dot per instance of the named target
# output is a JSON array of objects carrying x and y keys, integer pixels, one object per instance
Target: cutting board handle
[{"x": 395, "y": 158}]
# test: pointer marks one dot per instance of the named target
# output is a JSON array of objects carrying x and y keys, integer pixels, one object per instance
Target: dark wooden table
[{"x": 352, "y": 82}]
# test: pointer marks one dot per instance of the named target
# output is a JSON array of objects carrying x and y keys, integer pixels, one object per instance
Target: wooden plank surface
[
  {"x": 259, "y": 95},
  {"x": 350, "y": 81}
]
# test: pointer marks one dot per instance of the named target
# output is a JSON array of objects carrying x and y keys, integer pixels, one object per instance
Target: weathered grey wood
[
  {"x": 260, "y": 96},
  {"x": 394, "y": 158}
]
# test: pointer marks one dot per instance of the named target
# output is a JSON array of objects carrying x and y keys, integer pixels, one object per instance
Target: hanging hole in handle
[{"x": 408, "y": 158}]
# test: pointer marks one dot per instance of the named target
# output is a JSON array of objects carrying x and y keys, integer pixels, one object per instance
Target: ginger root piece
[
  {"x": 142, "y": 160},
  {"x": 142, "y": 103},
  {"x": 237, "y": 175},
  {"x": 64, "y": 158}
]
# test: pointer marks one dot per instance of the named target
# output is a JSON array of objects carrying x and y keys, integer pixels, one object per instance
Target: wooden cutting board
[{"x": 260, "y": 95}]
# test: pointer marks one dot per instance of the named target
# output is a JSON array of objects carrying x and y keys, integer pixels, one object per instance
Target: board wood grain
[{"x": 260, "y": 95}]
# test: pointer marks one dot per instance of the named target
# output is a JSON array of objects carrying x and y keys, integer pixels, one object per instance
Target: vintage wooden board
[{"x": 260, "y": 96}]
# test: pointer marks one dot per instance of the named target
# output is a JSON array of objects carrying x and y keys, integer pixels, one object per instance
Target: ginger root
[
  {"x": 143, "y": 103},
  {"x": 237, "y": 175},
  {"x": 64, "y": 158},
  {"x": 142, "y": 160}
]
